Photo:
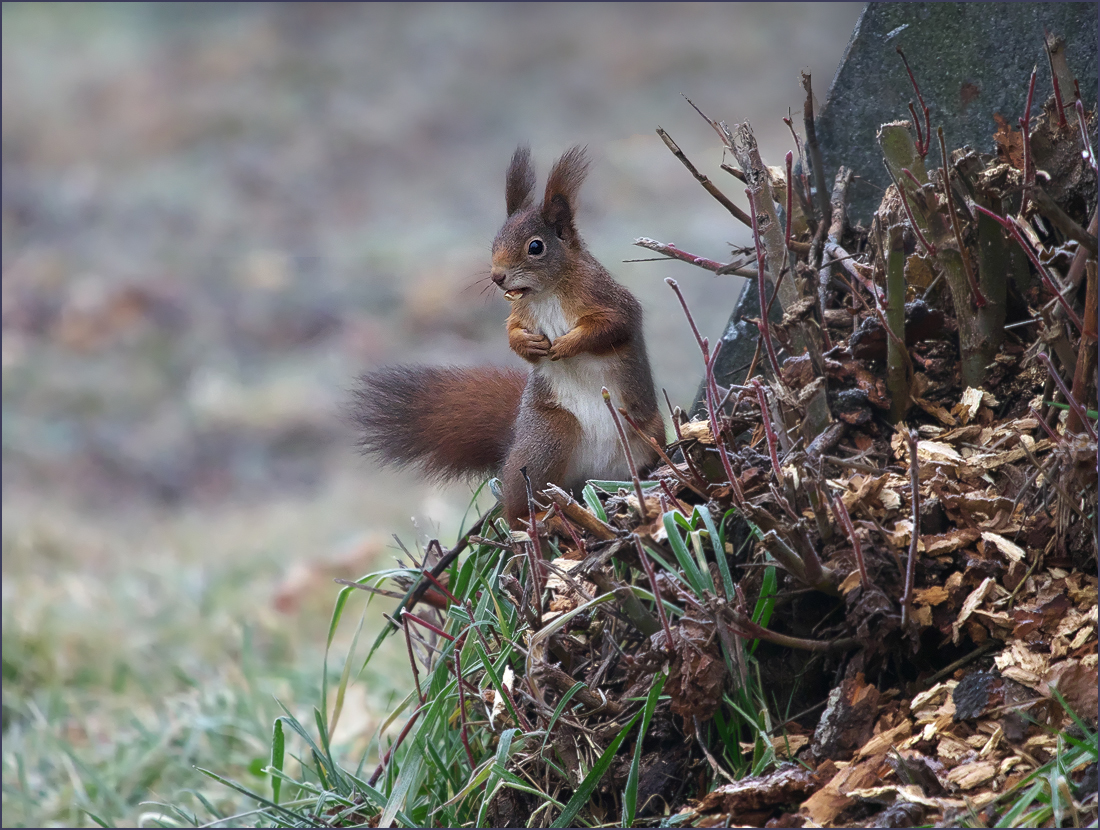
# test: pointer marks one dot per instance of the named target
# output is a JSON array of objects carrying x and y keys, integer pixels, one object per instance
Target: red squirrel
[{"x": 580, "y": 331}]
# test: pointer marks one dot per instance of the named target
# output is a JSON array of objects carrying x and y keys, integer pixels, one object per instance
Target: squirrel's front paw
[
  {"x": 534, "y": 346},
  {"x": 563, "y": 347}
]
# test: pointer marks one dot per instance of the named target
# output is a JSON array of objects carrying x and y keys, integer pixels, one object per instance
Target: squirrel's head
[{"x": 534, "y": 249}]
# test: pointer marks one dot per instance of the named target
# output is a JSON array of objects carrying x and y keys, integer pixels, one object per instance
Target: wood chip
[
  {"x": 950, "y": 541},
  {"x": 969, "y": 776},
  {"x": 1024, "y": 666},
  {"x": 977, "y": 596},
  {"x": 698, "y": 431},
  {"x": 1009, "y": 549},
  {"x": 930, "y": 596},
  {"x": 883, "y": 741}
]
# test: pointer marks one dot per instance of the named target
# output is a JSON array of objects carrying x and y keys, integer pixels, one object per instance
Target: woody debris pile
[{"x": 861, "y": 590}]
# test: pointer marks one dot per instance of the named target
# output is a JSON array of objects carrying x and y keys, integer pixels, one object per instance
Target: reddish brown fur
[
  {"x": 451, "y": 422},
  {"x": 520, "y": 181},
  {"x": 472, "y": 421},
  {"x": 546, "y": 436}
]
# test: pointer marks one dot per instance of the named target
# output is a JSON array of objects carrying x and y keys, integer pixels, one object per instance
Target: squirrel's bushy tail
[{"x": 449, "y": 422}]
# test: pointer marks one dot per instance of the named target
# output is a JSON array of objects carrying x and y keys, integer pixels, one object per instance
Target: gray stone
[{"x": 971, "y": 60}]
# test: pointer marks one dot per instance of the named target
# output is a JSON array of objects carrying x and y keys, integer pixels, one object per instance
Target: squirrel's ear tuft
[
  {"x": 520, "y": 181},
  {"x": 559, "y": 204}
]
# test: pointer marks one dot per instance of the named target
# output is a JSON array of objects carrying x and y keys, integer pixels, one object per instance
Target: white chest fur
[{"x": 576, "y": 385}]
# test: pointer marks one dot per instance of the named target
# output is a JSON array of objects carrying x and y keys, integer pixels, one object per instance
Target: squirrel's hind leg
[{"x": 545, "y": 441}]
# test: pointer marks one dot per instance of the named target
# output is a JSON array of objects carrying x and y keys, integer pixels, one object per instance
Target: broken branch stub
[
  {"x": 790, "y": 291},
  {"x": 979, "y": 308}
]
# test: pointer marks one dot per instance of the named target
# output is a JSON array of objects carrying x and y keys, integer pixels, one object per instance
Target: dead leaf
[
  {"x": 1076, "y": 683},
  {"x": 1010, "y": 142}
]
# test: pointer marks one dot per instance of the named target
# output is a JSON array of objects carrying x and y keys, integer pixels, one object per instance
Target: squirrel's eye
[{"x": 535, "y": 248}]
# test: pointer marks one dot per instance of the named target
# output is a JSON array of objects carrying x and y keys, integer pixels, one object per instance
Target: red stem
[
  {"x": 672, "y": 252},
  {"x": 389, "y": 752},
  {"x": 412, "y": 659},
  {"x": 629, "y": 456},
  {"x": 1025, "y": 126},
  {"x": 928, "y": 246},
  {"x": 440, "y": 586},
  {"x": 916, "y": 123},
  {"x": 675, "y": 286},
  {"x": 842, "y": 513},
  {"x": 1054, "y": 436},
  {"x": 976, "y": 292},
  {"x": 1010, "y": 226},
  {"x": 765, "y": 419},
  {"x": 711, "y": 387},
  {"x": 719, "y": 442},
  {"x": 462, "y": 706},
  {"x": 648, "y": 567},
  {"x": 1072, "y": 401},
  {"x": 802, "y": 176},
  {"x": 765, "y": 330},
  {"x": 927, "y": 121},
  {"x": 406, "y": 613},
  {"x": 675, "y": 502},
  {"x": 698, "y": 485}
]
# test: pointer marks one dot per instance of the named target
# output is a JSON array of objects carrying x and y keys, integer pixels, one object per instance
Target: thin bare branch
[{"x": 707, "y": 184}]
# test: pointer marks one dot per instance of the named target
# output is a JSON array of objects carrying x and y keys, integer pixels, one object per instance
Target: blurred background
[{"x": 214, "y": 217}]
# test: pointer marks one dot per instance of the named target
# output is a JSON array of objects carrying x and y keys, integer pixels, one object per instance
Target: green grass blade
[
  {"x": 594, "y": 503},
  {"x": 500, "y": 763},
  {"x": 696, "y": 537},
  {"x": 410, "y": 771},
  {"x": 294, "y": 818},
  {"x": 480, "y": 775},
  {"x": 615, "y": 486},
  {"x": 718, "y": 542},
  {"x": 765, "y": 603},
  {"x": 494, "y": 677},
  {"x": 345, "y": 675},
  {"x": 592, "y": 780},
  {"x": 95, "y": 818},
  {"x": 278, "y": 751},
  {"x": 1013, "y": 814},
  {"x": 1092, "y": 413},
  {"x": 471, "y": 506},
  {"x": 568, "y": 696},
  {"x": 301, "y": 730},
  {"x": 630, "y": 793},
  {"x": 670, "y": 609},
  {"x": 503, "y": 617},
  {"x": 332, "y": 771},
  {"x": 682, "y": 554}
]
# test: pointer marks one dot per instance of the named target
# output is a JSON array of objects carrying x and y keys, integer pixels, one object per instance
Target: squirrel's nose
[{"x": 498, "y": 276}]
